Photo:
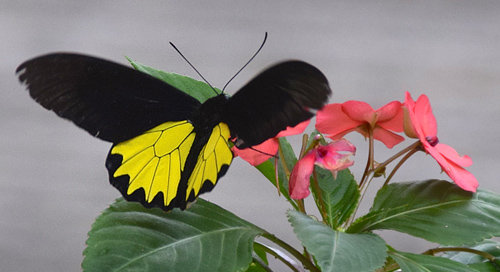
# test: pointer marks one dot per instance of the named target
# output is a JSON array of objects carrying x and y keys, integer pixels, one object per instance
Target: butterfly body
[{"x": 168, "y": 147}]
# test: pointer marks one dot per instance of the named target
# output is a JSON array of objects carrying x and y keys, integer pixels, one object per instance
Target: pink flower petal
[
  {"x": 334, "y": 163},
  {"x": 300, "y": 177},
  {"x": 425, "y": 117},
  {"x": 463, "y": 178},
  {"x": 393, "y": 117},
  {"x": 336, "y": 120},
  {"x": 333, "y": 122},
  {"x": 267, "y": 150},
  {"x": 335, "y": 156},
  {"x": 409, "y": 112},
  {"x": 341, "y": 146},
  {"x": 359, "y": 111},
  {"x": 298, "y": 129},
  {"x": 389, "y": 111},
  {"x": 389, "y": 139},
  {"x": 451, "y": 154},
  {"x": 362, "y": 130}
]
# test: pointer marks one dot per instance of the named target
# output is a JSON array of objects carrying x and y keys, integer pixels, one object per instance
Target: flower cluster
[{"x": 414, "y": 118}]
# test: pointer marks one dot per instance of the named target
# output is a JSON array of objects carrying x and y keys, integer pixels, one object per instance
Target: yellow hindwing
[
  {"x": 155, "y": 159},
  {"x": 212, "y": 157}
]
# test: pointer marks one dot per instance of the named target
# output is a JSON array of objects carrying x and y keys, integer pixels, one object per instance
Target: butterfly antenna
[
  {"x": 262, "y": 152},
  {"x": 192, "y": 66},
  {"x": 254, "y": 55}
]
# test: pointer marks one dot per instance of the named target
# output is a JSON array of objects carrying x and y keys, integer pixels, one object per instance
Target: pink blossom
[
  {"x": 420, "y": 123},
  {"x": 336, "y": 120},
  {"x": 335, "y": 157}
]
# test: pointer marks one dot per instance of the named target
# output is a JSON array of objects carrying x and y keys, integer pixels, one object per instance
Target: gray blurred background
[{"x": 53, "y": 182}]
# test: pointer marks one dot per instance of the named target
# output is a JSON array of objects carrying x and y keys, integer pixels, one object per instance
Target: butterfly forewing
[
  {"x": 282, "y": 96},
  {"x": 110, "y": 101}
]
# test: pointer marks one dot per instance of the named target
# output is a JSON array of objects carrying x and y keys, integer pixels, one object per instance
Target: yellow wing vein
[
  {"x": 136, "y": 154},
  {"x": 153, "y": 179},
  {"x": 140, "y": 171}
]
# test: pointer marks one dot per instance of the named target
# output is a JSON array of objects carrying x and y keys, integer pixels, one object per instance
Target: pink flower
[
  {"x": 334, "y": 157},
  {"x": 420, "y": 123},
  {"x": 339, "y": 119},
  {"x": 268, "y": 148}
]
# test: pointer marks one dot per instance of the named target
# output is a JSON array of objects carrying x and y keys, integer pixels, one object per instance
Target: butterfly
[{"x": 168, "y": 147}]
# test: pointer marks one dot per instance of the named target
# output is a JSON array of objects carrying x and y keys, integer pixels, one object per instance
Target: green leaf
[
  {"x": 257, "y": 265},
  {"x": 128, "y": 237},
  {"x": 489, "y": 246},
  {"x": 486, "y": 267},
  {"x": 201, "y": 91},
  {"x": 476, "y": 261},
  {"x": 312, "y": 136},
  {"x": 260, "y": 252},
  {"x": 260, "y": 262},
  {"x": 268, "y": 170},
  {"x": 338, "y": 251},
  {"x": 424, "y": 263},
  {"x": 339, "y": 196},
  {"x": 435, "y": 210},
  {"x": 289, "y": 157}
]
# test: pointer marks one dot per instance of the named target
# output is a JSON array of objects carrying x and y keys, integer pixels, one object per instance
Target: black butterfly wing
[
  {"x": 283, "y": 95},
  {"x": 110, "y": 101}
]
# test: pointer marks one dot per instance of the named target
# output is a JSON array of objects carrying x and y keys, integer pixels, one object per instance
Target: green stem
[
  {"x": 483, "y": 254},
  {"x": 300, "y": 205},
  {"x": 370, "y": 162},
  {"x": 276, "y": 176},
  {"x": 367, "y": 177},
  {"x": 283, "y": 162},
  {"x": 363, "y": 190},
  {"x": 303, "y": 148},
  {"x": 270, "y": 251},
  {"x": 413, "y": 146},
  {"x": 370, "y": 170},
  {"x": 263, "y": 265},
  {"x": 301, "y": 258},
  {"x": 319, "y": 203},
  {"x": 400, "y": 163}
]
